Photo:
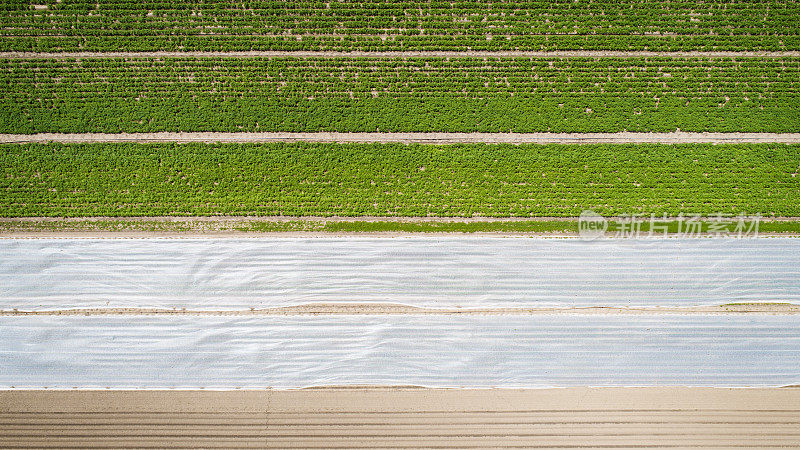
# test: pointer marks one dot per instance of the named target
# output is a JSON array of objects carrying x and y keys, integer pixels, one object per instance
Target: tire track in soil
[
  {"x": 406, "y": 54},
  {"x": 677, "y": 137}
]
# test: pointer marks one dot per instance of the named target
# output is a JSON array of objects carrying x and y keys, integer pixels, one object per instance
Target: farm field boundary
[
  {"x": 404, "y": 54},
  {"x": 410, "y": 138},
  {"x": 314, "y": 309},
  {"x": 219, "y": 226}
]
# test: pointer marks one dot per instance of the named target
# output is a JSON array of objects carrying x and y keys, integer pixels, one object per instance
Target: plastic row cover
[
  {"x": 437, "y": 351},
  {"x": 231, "y": 274}
]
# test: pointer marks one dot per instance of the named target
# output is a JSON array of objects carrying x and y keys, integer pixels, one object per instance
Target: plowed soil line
[
  {"x": 415, "y": 138},
  {"x": 327, "y": 309},
  {"x": 403, "y": 417},
  {"x": 410, "y": 54}
]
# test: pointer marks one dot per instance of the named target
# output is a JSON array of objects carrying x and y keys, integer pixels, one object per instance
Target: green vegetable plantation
[
  {"x": 397, "y": 180},
  {"x": 412, "y": 94},
  {"x": 123, "y": 66},
  {"x": 378, "y": 25}
]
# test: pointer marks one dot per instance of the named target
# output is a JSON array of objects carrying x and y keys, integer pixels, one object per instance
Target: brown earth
[
  {"x": 313, "y": 309},
  {"x": 678, "y": 137},
  {"x": 408, "y": 54},
  {"x": 404, "y": 417}
]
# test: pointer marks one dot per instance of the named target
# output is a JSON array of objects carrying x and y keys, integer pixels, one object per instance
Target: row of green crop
[
  {"x": 426, "y": 94},
  {"x": 409, "y": 17},
  {"x": 397, "y": 180},
  {"x": 414, "y": 64},
  {"x": 145, "y": 43},
  {"x": 377, "y": 25}
]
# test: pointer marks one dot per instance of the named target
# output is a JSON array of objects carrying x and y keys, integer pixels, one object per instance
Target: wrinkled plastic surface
[
  {"x": 469, "y": 272},
  {"x": 438, "y": 351}
]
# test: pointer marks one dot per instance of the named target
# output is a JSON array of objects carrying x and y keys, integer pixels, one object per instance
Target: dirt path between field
[
  {"x": 314, "y": 309},
  {"x": 190, "y": 220},
  {"x": 408, "y": 54},
  {"x": 414, "y": 138}
]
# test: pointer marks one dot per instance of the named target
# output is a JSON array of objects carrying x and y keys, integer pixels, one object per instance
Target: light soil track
[
  {"x": 348, "y": 219},
  {"x": 314, "y": 309},
  {"x": 408, "y": 54},
  {"x": 404, "y": 417},
  {"x": 677, "y": 137},
  {"x": 272, "y": 219}
]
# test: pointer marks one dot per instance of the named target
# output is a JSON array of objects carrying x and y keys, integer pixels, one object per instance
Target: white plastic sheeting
[
  {"x": 438, "y": 351},
  {"x": 229, "y": 274}
]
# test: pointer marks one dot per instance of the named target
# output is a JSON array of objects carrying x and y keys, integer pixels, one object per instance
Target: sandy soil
[
  {"x": 404, "y": 417},
  {"x": 314, "y": 309},
  {"x": 409, "y": 54},
  {"x": 233, "y": 220},
  {"x": 278, "y": 219},
  {"x": 304, "y": 235},
  {"x": 414, "y": 138}
]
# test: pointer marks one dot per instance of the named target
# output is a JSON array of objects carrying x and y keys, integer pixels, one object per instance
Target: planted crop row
[
  {"x": 397, "y": 180},
  {"x": 404, "y": 17},
  {"x": 392, "y": 25},
  {"x": 422, "y": 94},
  {"x": 368, "y": 43}
]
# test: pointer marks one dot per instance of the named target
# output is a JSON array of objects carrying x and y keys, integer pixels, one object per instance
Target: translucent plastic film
[
  {"x": 436, "y": 350},
  {"x": 48, "y": 274}
]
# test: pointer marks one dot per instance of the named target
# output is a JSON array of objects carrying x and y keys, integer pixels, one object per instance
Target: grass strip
[{"x": 299, "y": 225}]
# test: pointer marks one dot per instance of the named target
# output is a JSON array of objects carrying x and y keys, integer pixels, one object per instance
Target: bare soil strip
[
  {"x": 403, "y": 417},
  {"x": 314, "y": 309},
  {"x": 112, "y": 235},
  {"x": 409, "y": 54},
  {"x": 189, "y": 220},
  {"x": 678, "y": 137},
  {"x": 312, "y": 226}
]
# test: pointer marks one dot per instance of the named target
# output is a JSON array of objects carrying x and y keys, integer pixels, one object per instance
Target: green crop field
[
  {"x": 399, "y": 92},
  {"x": 397, "y": 180},
  {"x": 415, "y": 94},
  {"x": 221, "y": 25}
]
